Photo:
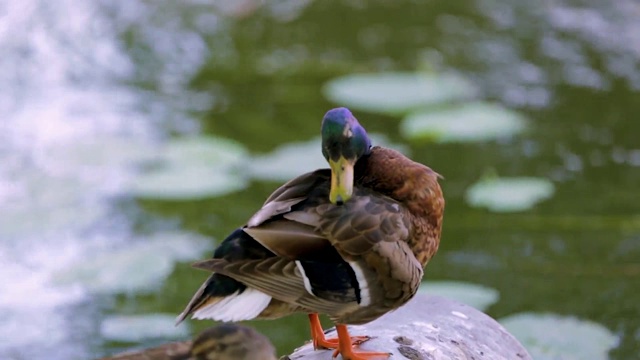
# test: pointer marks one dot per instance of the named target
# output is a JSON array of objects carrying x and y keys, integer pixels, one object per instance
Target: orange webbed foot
[
  {"x": 321, "y": 342},
  {"x": 333, "y": 343},
  {"x": 346, "y": 348},
  {"x": 362, "y": 355}
]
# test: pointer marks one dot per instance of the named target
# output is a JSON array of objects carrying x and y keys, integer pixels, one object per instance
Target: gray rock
[{"x": 431, "y": 328}]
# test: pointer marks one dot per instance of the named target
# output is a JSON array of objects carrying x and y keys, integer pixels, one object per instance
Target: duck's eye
[{"x": 348, "y": 133}]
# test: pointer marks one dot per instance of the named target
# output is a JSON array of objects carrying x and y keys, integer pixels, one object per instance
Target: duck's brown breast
[{"x": 415, "y": 186}]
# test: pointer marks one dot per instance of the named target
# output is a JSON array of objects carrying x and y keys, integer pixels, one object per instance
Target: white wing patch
[
  {"x": 235, "y": 307},
  {"x": 307, "y": 283},
  {"x": 365, "y": 296}
]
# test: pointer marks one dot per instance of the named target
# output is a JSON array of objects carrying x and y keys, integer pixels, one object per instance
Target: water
[{"x": 92, "y": 93}]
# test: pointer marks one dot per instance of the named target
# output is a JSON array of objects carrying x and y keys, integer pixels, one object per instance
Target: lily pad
[
  {"x": 549, "y": 336},
  {"x": 136, "y": 328},
  {"x": 138, "y": 268},
  {"x": 478, "y": 296},
  {"x": 193, "y": 168},
  {"x": 205, "y": 150},
  {"x": 177, "y": 182},
  {"x": 294, "y": 159},
  {"x": 509, "y": 194},
  {"x": 106, "y": 151},
  {"x": 470, "y": 122},
  {"x": 397, "y": 92}
]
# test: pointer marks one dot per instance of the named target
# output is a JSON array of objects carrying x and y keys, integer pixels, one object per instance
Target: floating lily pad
[
  {"x": 136, "y": 328},
  {"x": 138, "y": 268},
  {"x": 478, "y": 296},
  {"x": 509, "y": 194},
  {"x": 553, "y": 337},
  {"x": 294, "y": 159},
  {"x": 186, "y": 183},
  {"x": 470, "y": 122},
  {"x": 288, "y": 161},
  {"x": 193, "y": 168},
  {"x": 397, "y": 93},
  {"x": 206, "y": 151},
  {"x": 102, "y": 151}
]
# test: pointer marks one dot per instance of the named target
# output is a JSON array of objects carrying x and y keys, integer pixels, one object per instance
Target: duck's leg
[
  {"x": 321, "y": 342},
  {"x": 346, "y": 347},
  {"x": 317, "y": 334}
]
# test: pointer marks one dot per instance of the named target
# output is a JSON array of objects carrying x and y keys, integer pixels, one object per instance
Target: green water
[{"x": 571, "y": 67}]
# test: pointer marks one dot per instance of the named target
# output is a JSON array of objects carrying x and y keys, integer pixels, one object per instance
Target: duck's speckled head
[
  {"x": 231, "y": 342},
  {"x": 344, "y": 141}
]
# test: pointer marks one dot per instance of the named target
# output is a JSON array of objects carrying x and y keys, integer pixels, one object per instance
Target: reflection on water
[{"x": 90, "y": 92}]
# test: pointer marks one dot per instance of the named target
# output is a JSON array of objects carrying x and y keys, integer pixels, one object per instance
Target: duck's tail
[{"x": 223, "y": 299}]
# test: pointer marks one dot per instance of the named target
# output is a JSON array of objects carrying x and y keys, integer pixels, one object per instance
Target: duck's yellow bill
[{"x": 341, "y": 180}]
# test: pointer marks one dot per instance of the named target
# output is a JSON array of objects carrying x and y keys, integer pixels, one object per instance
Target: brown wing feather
[
  {"x": 355, "y": 227},
  {"x": 288, "y": 239},
  {"x": 291, "y": 193},
  {"x": 277, "y": 277},
  {"x": 292, "y": 239}
]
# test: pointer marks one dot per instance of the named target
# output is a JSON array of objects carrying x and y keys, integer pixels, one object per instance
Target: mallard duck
[
  {"x": 350, "y": 241},
  {"x": 223, "y": 342}
]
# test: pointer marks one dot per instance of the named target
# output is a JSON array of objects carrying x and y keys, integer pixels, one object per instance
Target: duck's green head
[{"x": 344, "y": 141}]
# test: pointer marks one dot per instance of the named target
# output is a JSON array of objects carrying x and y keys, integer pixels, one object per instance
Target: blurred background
[{"x": 135, "y": 134}]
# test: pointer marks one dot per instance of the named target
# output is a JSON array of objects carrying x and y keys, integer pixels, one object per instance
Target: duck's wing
[
  {"x": 293, "y": 192},
  {"x": 328, "y": 258},
  {"x": 270, "y": 227},
  {"x": 370, "y": 233},
  {"x": 219, "y": 297}
]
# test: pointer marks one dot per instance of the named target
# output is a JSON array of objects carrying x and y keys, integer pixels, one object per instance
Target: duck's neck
[{"x": 390, "y": 173}]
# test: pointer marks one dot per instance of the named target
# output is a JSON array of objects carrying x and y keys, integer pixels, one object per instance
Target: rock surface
[
  {"x": 431, "y": 328},
  {"x": 427, "y": 328}
]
